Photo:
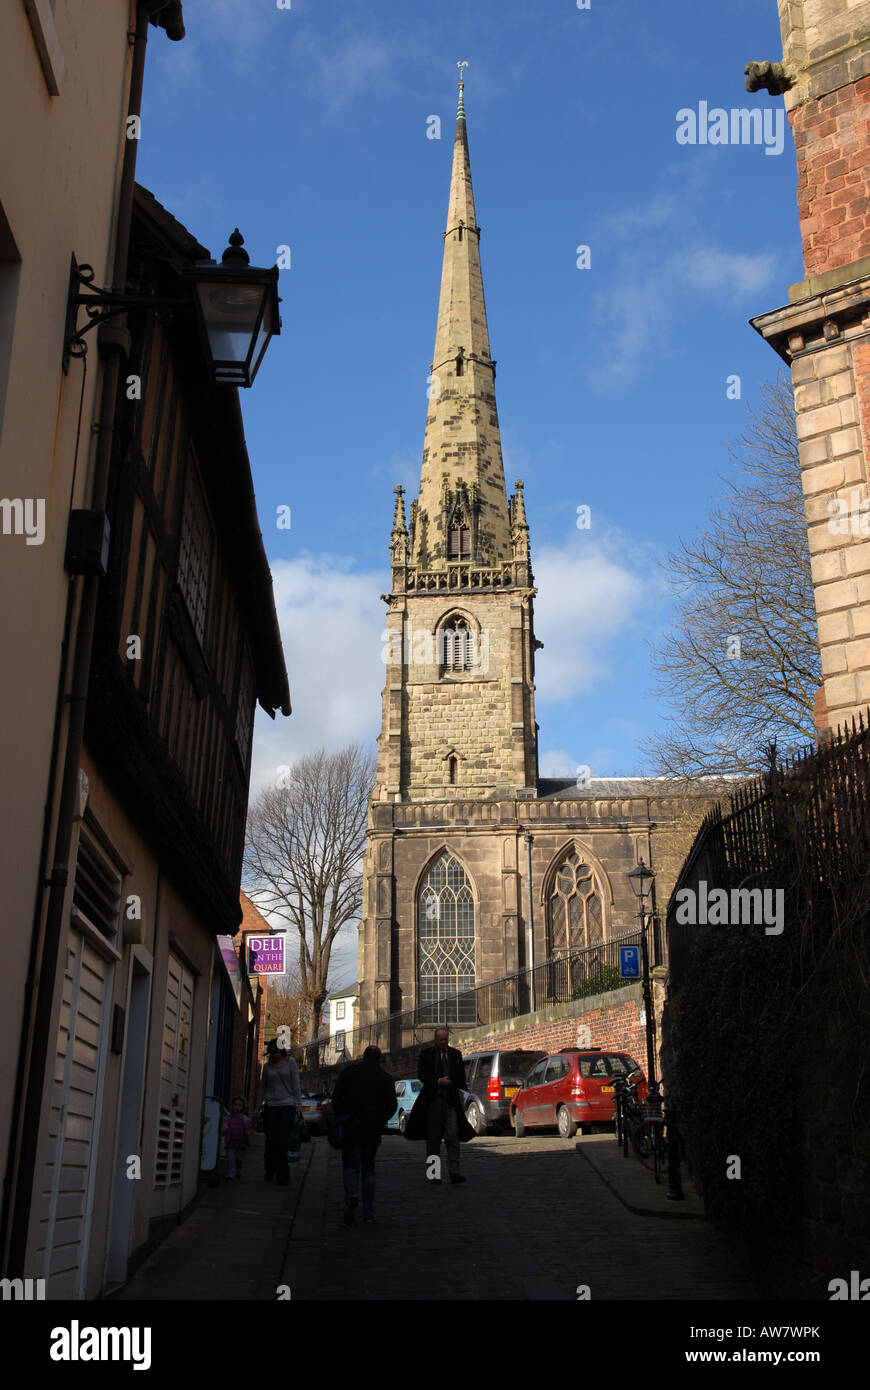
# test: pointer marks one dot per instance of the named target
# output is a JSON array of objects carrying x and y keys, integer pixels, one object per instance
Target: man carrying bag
[
  {"x": 363, "y": 1100},
  {"x": 438, "y": 1110}
]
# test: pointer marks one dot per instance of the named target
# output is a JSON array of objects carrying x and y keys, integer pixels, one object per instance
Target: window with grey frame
[
  {"x": 445, "y": 918},
  {"x": 194, "y": 553}
]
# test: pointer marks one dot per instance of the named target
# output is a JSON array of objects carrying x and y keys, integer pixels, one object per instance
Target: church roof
[{"x": 602, "y": 788}]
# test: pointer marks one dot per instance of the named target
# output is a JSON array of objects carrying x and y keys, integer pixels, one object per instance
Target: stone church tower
[{"x": 475, "y": 867}]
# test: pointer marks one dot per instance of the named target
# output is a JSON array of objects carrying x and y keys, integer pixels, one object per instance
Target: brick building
[
  {"x": 476, "y": 867},
  {"x": 823, "y": 333}
]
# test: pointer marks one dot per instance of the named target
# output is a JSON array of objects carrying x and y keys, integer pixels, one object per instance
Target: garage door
[
  {"x": 67, "y": 1175},
  {"x": 174, "y": 1082}
]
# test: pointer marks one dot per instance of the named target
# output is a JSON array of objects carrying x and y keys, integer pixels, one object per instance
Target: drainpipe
[
  {"x": 530, "y": 930},
  {"x": 113, "y": 343}
]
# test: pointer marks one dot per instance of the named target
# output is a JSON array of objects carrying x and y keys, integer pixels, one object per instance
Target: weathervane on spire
[{"x": 460, "y": 66}]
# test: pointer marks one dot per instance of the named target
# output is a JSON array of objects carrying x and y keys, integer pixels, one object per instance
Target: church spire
[{"x": 462, "y": 510}]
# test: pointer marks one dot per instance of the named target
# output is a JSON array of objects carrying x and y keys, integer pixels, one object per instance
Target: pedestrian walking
[
  {"x": 438, "y": 1110},
  {"x": 278, "y": 1098},
  {"x": 365, "y": 1098},
  {"x": 236, "y": 1127}
]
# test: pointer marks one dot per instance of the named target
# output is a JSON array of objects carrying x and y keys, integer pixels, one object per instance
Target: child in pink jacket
[{"x": 236, "y": 1127}]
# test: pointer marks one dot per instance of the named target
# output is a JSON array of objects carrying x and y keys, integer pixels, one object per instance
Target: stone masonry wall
[
  {"x": 834, "y": 475},
  {"x": 824, "y": 332},
  {"x": 469, "y": 713}
]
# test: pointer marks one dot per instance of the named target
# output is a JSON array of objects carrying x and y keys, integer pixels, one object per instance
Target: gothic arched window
[
  {"x": 457, "y": 645},
  {"x": 445, "y": 930},
  {"x": 458, "y": 537},
  {"x": 574, "y": 914}
]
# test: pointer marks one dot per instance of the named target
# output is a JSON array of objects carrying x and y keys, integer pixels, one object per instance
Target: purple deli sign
[{"x": 265, "y": 955}]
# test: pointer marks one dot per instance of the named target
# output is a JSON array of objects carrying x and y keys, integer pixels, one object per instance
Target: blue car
[{"x": 407, "y": 1092}]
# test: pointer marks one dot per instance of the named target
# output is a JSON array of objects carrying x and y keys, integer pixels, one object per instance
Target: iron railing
[
  {"x": 811, "y": 809},
  {"x": 593, "y": 970}
]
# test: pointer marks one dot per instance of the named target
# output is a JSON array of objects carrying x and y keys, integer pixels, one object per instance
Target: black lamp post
[
  {"x": 641, "y": 879},
  {"x": 238, "y": 314},
  {"x": 236, "y": 306}
]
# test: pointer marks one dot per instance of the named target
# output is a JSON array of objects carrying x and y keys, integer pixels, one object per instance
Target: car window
[
  {"x": 621, "y": 1064},
  {"x": 470, "y": 1068},
  {"x": 484, "y": 1071},
  {"x": 518, "y": 1063},
  {"x": 594, "y": 1068},
  {"x": 400, "y": 1088},
  {"x": 416, "y": 1086},
  {"x": 554, "y": 1070},
  {"x": 536, "y": 1074}
]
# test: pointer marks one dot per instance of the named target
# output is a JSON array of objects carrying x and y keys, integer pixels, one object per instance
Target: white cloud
[
  {"x": 588, "y": 600},
  {"x": 556, "y": 762},
  {"x": 331, "y": 623},
  {"x": 647, "y": 292},
  {"x": 658, "y": 211},
  {"x": 713, "y": 269},
  {"x": 344, "y": 74}
]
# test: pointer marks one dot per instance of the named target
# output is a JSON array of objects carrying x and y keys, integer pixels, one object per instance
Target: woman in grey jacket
[{"x": 278, "y": 1098}]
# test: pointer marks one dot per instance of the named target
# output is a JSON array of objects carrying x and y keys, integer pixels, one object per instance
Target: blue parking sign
[{"x": 629, "y": 962}]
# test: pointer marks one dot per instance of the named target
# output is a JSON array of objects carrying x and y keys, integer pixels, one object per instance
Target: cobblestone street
[
  {"x": 533, "y": 1221},
  {"x": 537, "y": 1217}
]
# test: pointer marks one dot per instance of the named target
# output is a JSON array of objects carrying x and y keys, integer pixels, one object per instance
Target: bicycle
[
  {"x": 628, "y": 1111},
  {"x": 648, "y": 1136}
]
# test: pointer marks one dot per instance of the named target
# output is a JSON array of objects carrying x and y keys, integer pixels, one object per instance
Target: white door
[
  {"x": 174, "y": 1084},
  {"x": 66, "y": 1189}
]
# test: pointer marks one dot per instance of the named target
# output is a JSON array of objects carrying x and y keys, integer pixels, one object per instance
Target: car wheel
[
  {"x": 567, "y": 1126},
  {"x": 403, "y": 1121},
  {"x": 519, "y": 1126},
  {"x": 476, "y": 1118}
]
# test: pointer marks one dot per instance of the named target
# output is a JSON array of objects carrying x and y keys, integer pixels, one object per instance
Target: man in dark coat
[
  {"x": 442, "y": 1072},
  {"x": 366, "y": 1095}
]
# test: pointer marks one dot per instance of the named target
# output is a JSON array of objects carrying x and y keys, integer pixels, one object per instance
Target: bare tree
[
  {"x": 740, "y": 664},
  {"x": 303, "y": 857},
  {"x": 285, "y": 1006}
]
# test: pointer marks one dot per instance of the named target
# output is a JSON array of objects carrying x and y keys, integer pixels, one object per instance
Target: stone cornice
[
  {"x": 485, "y": 815},
  {"x": 818, "y": 321}
]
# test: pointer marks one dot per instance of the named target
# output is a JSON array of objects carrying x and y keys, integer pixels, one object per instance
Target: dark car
[
  {"x": 572, "y": 1088},
  {"x": 493, "y": 1080}
]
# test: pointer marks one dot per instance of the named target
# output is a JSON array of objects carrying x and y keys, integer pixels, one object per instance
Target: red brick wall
[
  {"x": 617, "y": 1027},
  {"x": 832, "y": 140}
]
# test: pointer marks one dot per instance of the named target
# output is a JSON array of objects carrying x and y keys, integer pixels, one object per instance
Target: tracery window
[
  {"x": 458, "y": 537},
  {"x": 574, "y": 918},
  {"x": 445, "y": 917},
  {"x": 458, "y": 645}
]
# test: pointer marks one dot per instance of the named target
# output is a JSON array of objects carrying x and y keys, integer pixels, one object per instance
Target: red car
[{"x": 571, "y": 1088}]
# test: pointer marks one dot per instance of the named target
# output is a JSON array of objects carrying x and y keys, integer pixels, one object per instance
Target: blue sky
[{"x": 308, "y": 128}]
